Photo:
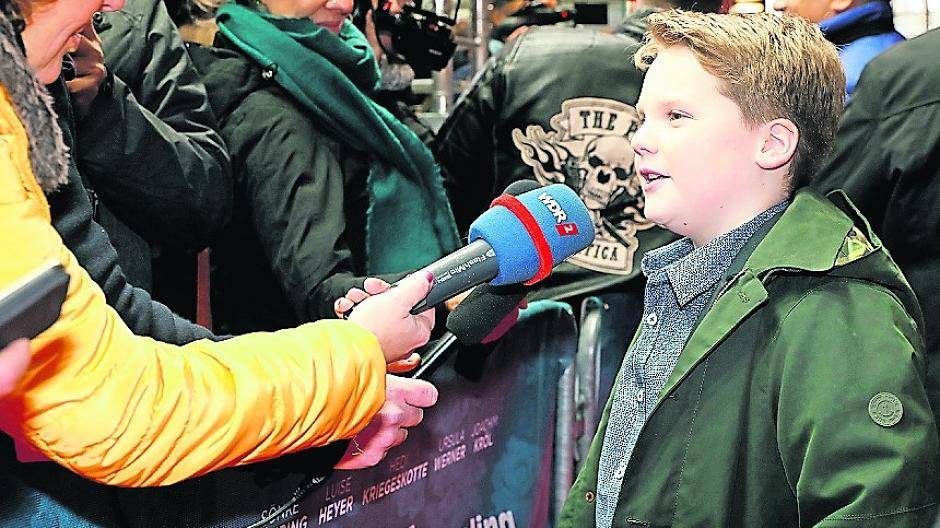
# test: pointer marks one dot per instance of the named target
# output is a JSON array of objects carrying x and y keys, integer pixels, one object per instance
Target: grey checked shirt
[{"x": 680, "y": 280}]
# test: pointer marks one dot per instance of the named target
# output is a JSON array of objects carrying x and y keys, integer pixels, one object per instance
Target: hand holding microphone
[
  {"x": 518, "y": 240},
  {"x": 372, "y": 286},
  {"x": 387, "y": 316}
]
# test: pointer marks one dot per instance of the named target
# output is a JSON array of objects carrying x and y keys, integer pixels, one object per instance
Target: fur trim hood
[{"x": 48, "y": 154}]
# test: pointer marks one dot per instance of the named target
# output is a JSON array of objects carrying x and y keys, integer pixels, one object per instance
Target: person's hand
[
  {"x": 452, "y": 303},
  {"x": 405, "y": 399},
  {"x": 90, "y": 70},
  {"x": 386, "y": 313},
  {"x": 13, "y": 362},
  {"x": 373, "y": 286}
]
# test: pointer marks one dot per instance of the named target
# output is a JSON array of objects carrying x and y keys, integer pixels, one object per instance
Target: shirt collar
[{"x": 692, "y": 271}]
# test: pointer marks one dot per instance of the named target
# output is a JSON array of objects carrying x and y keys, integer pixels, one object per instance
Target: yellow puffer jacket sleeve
[{"x": 130, "y": 411}]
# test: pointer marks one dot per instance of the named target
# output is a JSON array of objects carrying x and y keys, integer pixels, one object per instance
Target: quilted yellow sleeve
[{"x": 130, "y": 411}]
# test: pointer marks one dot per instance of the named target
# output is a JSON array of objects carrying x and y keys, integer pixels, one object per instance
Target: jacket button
[
  {"x": 589, "y": 496},
  {"x": 885, "y": 409},
  {"x": 269, "y": 72}
]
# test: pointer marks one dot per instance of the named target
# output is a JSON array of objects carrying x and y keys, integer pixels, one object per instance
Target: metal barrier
[
  {"x": 486, "y": 455},
  {"x": 565, "y": 437},
  {"x": 497, "y": 450},
  {"x": 607, "y": 324}
]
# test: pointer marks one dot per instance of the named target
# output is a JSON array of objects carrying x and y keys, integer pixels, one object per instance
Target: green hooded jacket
[{"x": 798, "y": 400}]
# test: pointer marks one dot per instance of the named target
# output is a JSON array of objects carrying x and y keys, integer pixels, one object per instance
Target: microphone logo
[
  {"x": 567, "y": 229},
  {"x": 554, "y": 207}
]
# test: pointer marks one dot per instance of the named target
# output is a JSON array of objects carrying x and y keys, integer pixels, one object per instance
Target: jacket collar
[
  {"x": 820, "y": 231},
  {"x": 872, "y": 18},
  {"x": 811, "y": 223}
]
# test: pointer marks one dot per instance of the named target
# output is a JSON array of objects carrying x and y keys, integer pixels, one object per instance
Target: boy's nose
[
  {"x": 641, "y": 141},
  {"x": 780, "y": 5}
]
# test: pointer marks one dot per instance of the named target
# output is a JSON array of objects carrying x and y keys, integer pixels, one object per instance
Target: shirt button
[
  {"x": 589, "y": 496},
  {"x": 652, "y": 319},
  {"x": 620, "y": 472},
  {"x": 641, "y": 395}
]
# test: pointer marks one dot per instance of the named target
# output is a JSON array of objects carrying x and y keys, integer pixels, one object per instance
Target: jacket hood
[
  {"x": 229, "y": 76},
  {"x": 634, "y": 24},
  {"x": 834, "y": 238},
  {"x": 48, "y": 154}
]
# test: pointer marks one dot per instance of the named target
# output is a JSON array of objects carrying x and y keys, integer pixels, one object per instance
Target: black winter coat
[
  {"x": 72, "y": 217},
  {"x": 296, "y": 241},
  {"x": 149, "y": 146},
  {"x": 887, "y": 159}
]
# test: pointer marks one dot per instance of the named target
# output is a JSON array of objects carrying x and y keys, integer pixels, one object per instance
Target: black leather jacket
[{"x": 557, "y": 106}]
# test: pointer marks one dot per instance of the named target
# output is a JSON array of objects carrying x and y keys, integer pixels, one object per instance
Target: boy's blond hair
[{"x": 771, "y": 66}]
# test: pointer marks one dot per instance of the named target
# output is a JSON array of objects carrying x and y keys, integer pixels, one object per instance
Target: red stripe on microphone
[{"x": 542, "y": 249}]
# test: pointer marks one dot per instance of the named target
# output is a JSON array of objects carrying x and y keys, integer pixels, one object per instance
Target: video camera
[
  {"x": 422, "y": 38},
  {"x": 532, "y": 14}
]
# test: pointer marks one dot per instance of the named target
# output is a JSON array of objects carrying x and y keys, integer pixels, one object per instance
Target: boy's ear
[{"x": 779, "y": 138}]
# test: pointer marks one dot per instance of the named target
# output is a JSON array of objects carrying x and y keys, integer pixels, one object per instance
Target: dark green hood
[{"x": 841, "y": 243}]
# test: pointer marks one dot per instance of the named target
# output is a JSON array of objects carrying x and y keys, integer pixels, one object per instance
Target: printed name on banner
[
  {"x": 451, "y": 457},
  {"x": 395, "y": 483},
  {"x": 482, "y": 433},
  {"x": 335, "y": 510},
  {"x": 290, "y": 513}
]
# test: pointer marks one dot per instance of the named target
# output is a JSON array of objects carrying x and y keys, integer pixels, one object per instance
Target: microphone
[
  {"x": 518, "y": 240},
  {"x": 477, "y": 316}
]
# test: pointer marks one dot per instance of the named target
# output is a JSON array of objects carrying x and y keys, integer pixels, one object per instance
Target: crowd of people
[{"x": 784, "y": 370}]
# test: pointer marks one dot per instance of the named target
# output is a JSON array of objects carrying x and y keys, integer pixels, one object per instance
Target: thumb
[
  {"x": 414, "y": 288},
  {"x": 417, "y": 392},
  {"x": 404, "y": 365}
]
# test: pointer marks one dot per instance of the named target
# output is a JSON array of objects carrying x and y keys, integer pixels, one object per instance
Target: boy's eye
[{"x": 675, "y": 115}]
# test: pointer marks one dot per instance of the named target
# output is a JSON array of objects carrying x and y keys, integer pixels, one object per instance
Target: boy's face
[{"x": 696, "y": 157}]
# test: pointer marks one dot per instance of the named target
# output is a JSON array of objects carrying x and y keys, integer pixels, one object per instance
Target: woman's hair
[{"x": 771, "y": 66}]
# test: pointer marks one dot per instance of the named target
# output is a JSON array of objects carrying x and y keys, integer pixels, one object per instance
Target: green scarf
[{"x": 409, "y": 222}]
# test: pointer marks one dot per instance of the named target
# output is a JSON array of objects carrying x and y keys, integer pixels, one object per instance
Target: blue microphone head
[{"x": 554, "y": 211}]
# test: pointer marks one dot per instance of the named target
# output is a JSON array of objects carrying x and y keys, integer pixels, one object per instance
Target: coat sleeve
[
  {"x": 180, "y": 193},
  {"x": 90, "y": 245},
  {"x": 465, "y": 148},
  {"x": 295, "y": 187},
  {"x": 844, "y": 343},
  {"x": 131, "y": 411}
]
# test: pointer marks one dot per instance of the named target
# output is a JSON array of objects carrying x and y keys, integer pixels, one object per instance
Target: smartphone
[{"x": 32, "y": 304}]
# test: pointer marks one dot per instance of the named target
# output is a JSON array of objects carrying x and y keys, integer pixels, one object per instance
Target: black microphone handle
[{"x": 458, "y": 272}]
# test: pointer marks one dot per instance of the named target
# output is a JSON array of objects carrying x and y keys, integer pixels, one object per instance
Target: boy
[{"x": 777, "y": 377}]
